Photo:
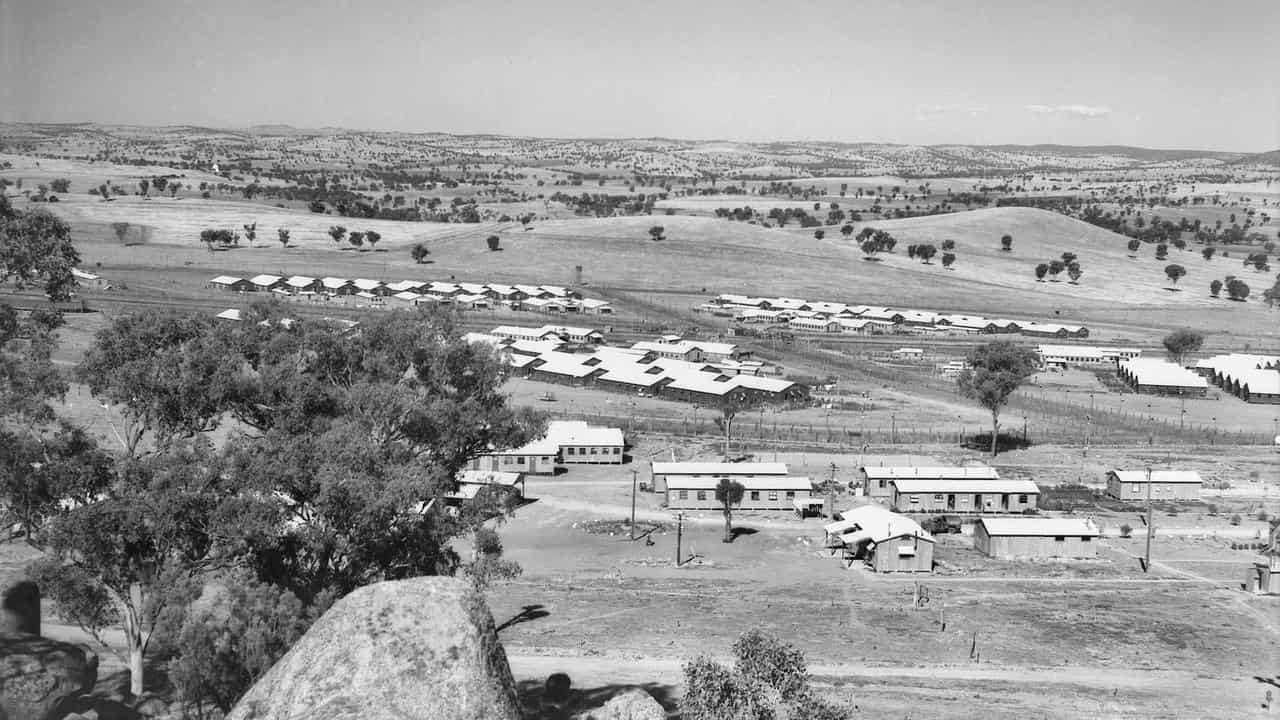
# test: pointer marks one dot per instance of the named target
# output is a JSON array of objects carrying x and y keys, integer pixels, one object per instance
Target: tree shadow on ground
[
  {"x": 526, "y": 614},
  {"x": 1268, "y": 680},
  {"x": 736, "y": 532},
  {"x": 581, "y": 700},
  {"x": 1004, "y": 442}
]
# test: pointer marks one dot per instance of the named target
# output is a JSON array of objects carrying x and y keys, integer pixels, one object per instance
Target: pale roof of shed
[
  {"x": 878, "y": 524},
  {"x": 577, "y": 432},
  {"x": 718, "y": 468},
  {"x": 488, "y": 477},
  {"x": 367, "y": 284},
  {"x": 225, "y": 280},
  {"x": 1159, "y": 476},
  {"x": 761, "y": 482},
  {"x": 921, "y": 485},
  {"x": 265, "y": 279},
  {"x": 229, "y": 314},
  {"x": 714, "y": 348},
  {"x": 334, "y": 282},
  {"x": 695, "y": 382},
  {"x": 300, "y": 281},
  {"x": 1266, "y": 382},
  {"x": 519, "y": 331},
  {"x": 568, "y": 364},
  {"x": 755, "y": 382},
  {"x": 1039, "y": 527},
  {"x": 403, "y": 285},
  {"x": 976, "y": 472},
  {"x": 632, "y": 374}
]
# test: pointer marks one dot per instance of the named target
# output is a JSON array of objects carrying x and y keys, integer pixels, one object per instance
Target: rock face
[
  {"x": 634, "y": 704},
  {"x": 20, "y": 608},
  {"x": 36, "y": 674},
  {"x": 421, "y": 648}
]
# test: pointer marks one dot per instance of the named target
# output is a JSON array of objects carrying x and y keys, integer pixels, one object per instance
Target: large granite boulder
[
  {"x": 37, "y": 674},
  {"x": 419, "y": 648},
  {"x": 634, "y": 704}
]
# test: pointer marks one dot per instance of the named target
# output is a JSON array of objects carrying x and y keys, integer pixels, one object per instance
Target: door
[
  {"x": 977, "y": 503},
  {"x": 951, "y": 502},
  {"x": 1004, "y": 502}
]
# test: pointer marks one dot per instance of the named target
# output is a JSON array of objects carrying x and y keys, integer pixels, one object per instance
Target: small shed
[
  {"x": 884, "y": 541},
  {"x": 1165, "y": 484},
  {"x": 1011, "y": 538}
]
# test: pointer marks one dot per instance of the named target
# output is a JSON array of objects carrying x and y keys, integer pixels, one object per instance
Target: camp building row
[
  {"x": 566, "y": 442},
  {"x": 1160, "y": 377},
  {"x": 1062, "y": 356},
  {"x": 1017, "y": 538},
  {"x": 541, "y": 298},
  {"x": 1252, "y": 378},
  {"x": 1165, "y": 484},
  {"x": 767, "y": 486},
  {"x": 642, "y": 371},
  {"x": 833, "y": 317}
]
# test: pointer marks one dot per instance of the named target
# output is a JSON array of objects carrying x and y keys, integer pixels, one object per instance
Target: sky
[{"x": 1167, "y": 74}]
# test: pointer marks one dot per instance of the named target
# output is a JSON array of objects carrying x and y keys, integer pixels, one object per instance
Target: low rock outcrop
[
  {"x": 37, "y": 674},
  {"x": 419, "y": 648},
  {"x": 635, "y": 704}
]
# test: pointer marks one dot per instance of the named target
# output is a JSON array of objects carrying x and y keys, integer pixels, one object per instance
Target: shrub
[
  {"x": 493, "y": 242},
  {"x": 1235, "y": 519},
  {"x": 1263, "y": 516},
  {"x": 1126, "y": 530}
]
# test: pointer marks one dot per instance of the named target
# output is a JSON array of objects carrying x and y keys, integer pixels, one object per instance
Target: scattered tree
[
  {"x": 656, "y": 232},
  {"x": 283, "y": 235},
  {"x": 819, "y": 234},
  {"x": 729, "y": 493},
  {"x": 1134, "y": 244},
  {"x": 372, "y": 237},
  {"x": 1162, "y": 251},
  {"x": 251, "y": 232},
  {"x": 1208, "y": 252},
  {"x": 1175, "y": 272},
  {"x": 420, "y": 253},
  {"x": 948, "y": 244},
  {"x": 336, "y": 232},
  {"x": 356, "y": 239},
  {"x": 1181, "y": 342},
  {"x": 1215, "y": 287},
  {"x": 1075, "y": 273},
  {"x": 1237, "y": 289},
  {"x": 996, "y": 370},
  {"x": 1041, "y": 270},
  {"x": 1068, "y": 258},
  {"x": 493, "y": 242},
  {"x": 948, "y": 259},
  {"x": 926, "y": 252},
  {"x": 1006, "y": 243},
  {"x": 1055, "y": 268},
  {"x": 61, "y": 185}
]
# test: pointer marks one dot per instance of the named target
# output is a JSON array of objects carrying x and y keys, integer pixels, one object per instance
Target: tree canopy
[
  {"x": 996, "y": 369},
  {"x": 36, "y": 249},
  {"x": 1181, "y": 342}
]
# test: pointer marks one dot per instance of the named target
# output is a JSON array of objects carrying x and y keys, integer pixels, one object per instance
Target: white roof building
[{"x": 1039, "y": 527}]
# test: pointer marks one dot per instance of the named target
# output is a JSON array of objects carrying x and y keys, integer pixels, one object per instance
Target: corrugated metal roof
[
  {"x": 763, "y": 482},
  {"x": 1159, "y": 476},
  {"x": 718, "y": 468},
  {"x": 577, "y": 432},
  {"x": 877, "y": 524},
  {"x": 977, "y": 472},
  {"x": 913, "y": 485},
  {"x": 1151, "y": 371},
  {"x": 1039, "y": 527}
]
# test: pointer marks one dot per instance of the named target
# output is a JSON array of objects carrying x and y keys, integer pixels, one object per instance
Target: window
[
  {"x": 1059, "y": 538},
  {"x": 570, "y": 451},
  {"x": 1085, "y": 538},
  {"x": 915, "y": 499},
  {"x": 937, "y": 498},
  {"x": 506, "y": 459},
  {"x": 773, "y": 494},
  {"x": 593, "y": 451},
  {"x": 791, "y": 494},
  {"x": 882, "y": 482},
  {"x": 755, "y": 494},
  {"x": 520, "y": 460},
  {"x": 617, "y": 451},
  {"x": 684, "y": 494},
  {"x": 702, "y": 494}
]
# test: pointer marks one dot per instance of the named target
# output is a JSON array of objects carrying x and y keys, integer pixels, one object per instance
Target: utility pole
[
  {"x": 633, "y": 504},
  {"x": 1147, "y": 565},
  {"x": 679, "y": 535},
  {"x": 831, "y": 494}
]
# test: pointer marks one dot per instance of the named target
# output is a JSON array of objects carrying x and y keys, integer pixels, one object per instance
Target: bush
[
  {"x": 1126, "y": 530},
  {"x": 225, "y": 647},
  {"x": 1235, "y": 519},
  {"x": 1263, "y": 516}
]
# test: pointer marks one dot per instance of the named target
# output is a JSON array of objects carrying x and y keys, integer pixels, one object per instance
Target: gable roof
[
  {"x": 921, "y": 485},
  {"x": 978, "y": 472},
  {"x": 1158, "y": 476},
  {"x": 718, "y": 468}
]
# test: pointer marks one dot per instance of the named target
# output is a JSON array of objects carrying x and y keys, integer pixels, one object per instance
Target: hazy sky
[{"x": 1172, "y": 74}]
